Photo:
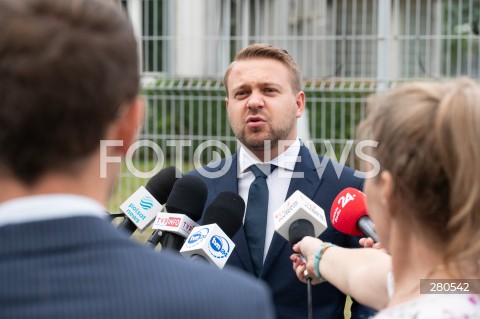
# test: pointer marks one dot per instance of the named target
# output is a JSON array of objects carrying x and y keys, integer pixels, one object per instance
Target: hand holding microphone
[
  {"x": 367, "y": 242},
  {"x": 297, "y": 218},
  {"x": 297, "y": 231},
  {"x": 313, "y": 249}
]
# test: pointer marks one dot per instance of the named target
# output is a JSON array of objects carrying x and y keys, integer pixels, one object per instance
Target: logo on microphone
[
  {"x": 345, "y": 199},
  {"x": 289, "y": 206},
  {"x": 197, "y": 237},
  {"x": 146, "y": 202},
  {"x": 335, "y": 214},
  {"x": 219, "y": 247}
]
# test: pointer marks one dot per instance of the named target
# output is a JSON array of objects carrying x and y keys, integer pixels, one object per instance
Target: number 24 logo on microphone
[{"x": 345, "y": 199}]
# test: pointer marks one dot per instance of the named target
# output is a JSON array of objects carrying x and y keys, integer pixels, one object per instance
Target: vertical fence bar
[
  {"x": 383, "y": 29},
  {"x": 134, "y": 8}
]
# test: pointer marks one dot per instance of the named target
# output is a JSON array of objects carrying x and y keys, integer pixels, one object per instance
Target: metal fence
[{"x": 347, "y": 49}]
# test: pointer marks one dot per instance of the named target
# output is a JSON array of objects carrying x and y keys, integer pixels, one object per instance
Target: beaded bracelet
[{"x": 318, "y": 256}]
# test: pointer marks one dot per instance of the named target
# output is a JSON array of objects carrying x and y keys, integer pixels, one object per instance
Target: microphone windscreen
[
  {"x": 188, "y": 197},
  {"x": 347, "y": 208},
  {"x": 227, "y": 211},
  {"x": 161, "y": 185},
  {"x": 299, "y": 229}
]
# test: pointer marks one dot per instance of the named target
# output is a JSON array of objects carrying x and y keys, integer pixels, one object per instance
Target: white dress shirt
[{"x": 278, "y": 181}]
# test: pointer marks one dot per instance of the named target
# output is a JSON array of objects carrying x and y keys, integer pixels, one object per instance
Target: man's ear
[
  {"x": 300, "y": 103},
  {"x": 127, "y": 126}
]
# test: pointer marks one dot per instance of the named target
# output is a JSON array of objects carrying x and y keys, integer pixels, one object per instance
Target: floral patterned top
[{"x": 438, "y": 306}]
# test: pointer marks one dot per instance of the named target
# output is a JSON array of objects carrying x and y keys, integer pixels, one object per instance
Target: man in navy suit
[
  {"x": 264, "y": 100},
  {"x": 68, "y": 80}
]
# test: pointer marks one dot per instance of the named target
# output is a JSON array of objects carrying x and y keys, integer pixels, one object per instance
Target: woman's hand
[
  {"x": 307, "y": 248},
  {"x": 369, "y": 243}
]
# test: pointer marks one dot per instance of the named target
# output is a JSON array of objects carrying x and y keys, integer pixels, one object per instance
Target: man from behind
[{"x": 69, "y": 79}]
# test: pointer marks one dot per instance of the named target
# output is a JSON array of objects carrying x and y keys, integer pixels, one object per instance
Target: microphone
[
  {"x": 211, "y": 243},
  {"x": 296, "y": 208},
  {"x": 298, "y": 217},
  {"x": 142, "y": 206},
  {"x": 299, "y": 229},
  {"x": 349, "y": 214},
  {"x": 184, "y": 206},
  {"x": 112, "y": 216}
]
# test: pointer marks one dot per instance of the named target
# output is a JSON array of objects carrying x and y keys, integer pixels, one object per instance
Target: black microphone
[
  {"x": 112, "y": 216},
  {"x": 212, "y": 242},
  {"x": 226, "y": 210},
  {"x": 298, "y": 217},
  {"x": 302, "y": 217},
  {"x": 142, "y": 206},
  {"x": 297, "y": 230},
  {"x": 188, "y": 197}
]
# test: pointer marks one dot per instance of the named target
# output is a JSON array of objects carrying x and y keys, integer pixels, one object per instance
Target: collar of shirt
[
  {"x": 285, "y": 160},
  {"x": 278, "y": 182},
  {"x": 45, "y": 207}
]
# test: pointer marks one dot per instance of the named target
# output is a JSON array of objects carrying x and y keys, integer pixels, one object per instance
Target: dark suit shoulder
[
  {"x": 208, "y": 291},
  {"x": 85, "y": 268},
  {"x": 343, "y": 175},
  {"x": 220, "y": 167}
]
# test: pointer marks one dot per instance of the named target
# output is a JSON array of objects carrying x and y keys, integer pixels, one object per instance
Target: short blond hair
[{"x": 267, "y": 51}]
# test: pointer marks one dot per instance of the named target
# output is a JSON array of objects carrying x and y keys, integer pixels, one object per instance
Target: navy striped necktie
[{"x": 256, "y": 214}]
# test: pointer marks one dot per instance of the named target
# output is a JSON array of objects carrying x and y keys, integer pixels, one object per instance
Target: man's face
[{"x": 261, "y": 104}]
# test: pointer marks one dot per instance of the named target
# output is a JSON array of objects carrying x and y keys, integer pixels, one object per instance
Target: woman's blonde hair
[{"x": 429, "y": 140}]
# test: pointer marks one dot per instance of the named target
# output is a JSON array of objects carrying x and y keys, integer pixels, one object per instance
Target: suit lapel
[
  {"x": 310, "y": 182},
  {"x": 229, "y": 182},
  {"x": 308, "y": 185}
]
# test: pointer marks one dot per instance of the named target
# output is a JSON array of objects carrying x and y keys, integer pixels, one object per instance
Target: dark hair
[{"x": 66, "y": 68}]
